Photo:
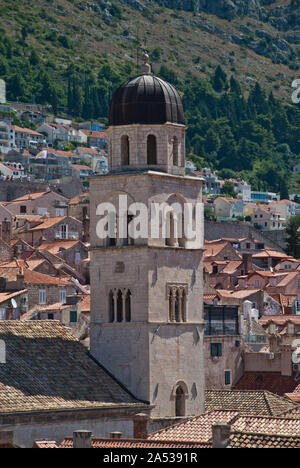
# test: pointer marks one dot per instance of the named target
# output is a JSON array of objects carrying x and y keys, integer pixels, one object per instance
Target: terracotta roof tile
[
  {"x": 270, "y": 382},
  {"x": 136, "y": 443},
  {"x": 244, "y": 440},
  {"x": 247, "y": 402},
  {"x": 195, "y": 429}
]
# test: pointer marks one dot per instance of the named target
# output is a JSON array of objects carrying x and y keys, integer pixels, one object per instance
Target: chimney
[
  {"x": 6, "y": 439},
  {"x": 247, "y": 263},
  {"x": 115, "y": 435},
  {"x": 20, "y": 281},
  {"x": 140, "y": 426},
  {"x": 220, "y": 435},
  {"x": 82, "y": 439},
  {"x": 6, "y": 231}
]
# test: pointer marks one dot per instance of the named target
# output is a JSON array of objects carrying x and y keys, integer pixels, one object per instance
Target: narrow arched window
[
  {"x": 179, "y": 402},
  {"x": 176, "y": 307},
  {"x": 119, "y": 306},
  {"x": 170, "y": 229},
  {"x": 175, "y": 152},
  {"x": 125, "y": 154},
  {"x": 111, "y": 307},
  {"x": 151, "y": 150},
  {"x": 128, "y": 306},
  {"x": 183, "y": 302}
]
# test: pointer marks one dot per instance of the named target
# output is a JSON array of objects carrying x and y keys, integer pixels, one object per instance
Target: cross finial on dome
[{"x": 146, "y": 67}]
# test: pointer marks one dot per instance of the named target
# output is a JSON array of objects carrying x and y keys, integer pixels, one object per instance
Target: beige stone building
[{"x": 146, "y": 301}]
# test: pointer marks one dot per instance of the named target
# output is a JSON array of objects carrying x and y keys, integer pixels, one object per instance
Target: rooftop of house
[
  {"x": 47, "y": 369},
  {"x": 196, "y": 429},
  {"x": 48, "y": 222},
  {"x": 81, "y": 167},
  {"x": 239, "y": 294},
  {"x": 124, "y": 444},
  {"x": 247, "y": 402},
  {"x": 76, "y": 200},
  {"x": 280, "y": 320},
  {"x": 6, "y": 295},
  {"x": 269, "y": 382},
  {"x": 284, "y": 202},
  {"x": 10, "y": 271},
  {"x": 214, "y": 248},
  {"x": 270, "y": 253},
  {"x": 16, "y": 128},
  {"x": 55, "y": 246},
  {"x": 83, "y": 149},
  {"x": 95, "y": 134}
]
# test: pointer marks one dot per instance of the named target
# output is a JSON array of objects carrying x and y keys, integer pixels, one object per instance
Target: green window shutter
[
  {"x": 216, "y": 349},
  {"x": 73, "y": 316},
  {"x": 227, "y": 376}
]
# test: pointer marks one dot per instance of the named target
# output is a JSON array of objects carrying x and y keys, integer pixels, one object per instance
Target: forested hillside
[{"x": 233, "y": 66}]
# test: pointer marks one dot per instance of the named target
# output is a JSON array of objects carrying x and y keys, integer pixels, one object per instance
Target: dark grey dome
[{"x": 146, "y": 100}]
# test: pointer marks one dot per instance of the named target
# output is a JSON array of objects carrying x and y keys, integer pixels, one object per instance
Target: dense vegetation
[{"x": 251, "y": 135}]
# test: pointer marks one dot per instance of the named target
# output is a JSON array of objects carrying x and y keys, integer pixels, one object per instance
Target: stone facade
[
  {"x": 170, "y": 142},
  {"x": 231, "y": 360},
  {"x": 149, "y": 269},
  {"x": 48, "y": 202}
]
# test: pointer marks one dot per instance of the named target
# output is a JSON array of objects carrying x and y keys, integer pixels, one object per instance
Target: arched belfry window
[
  {"x": 175, "y": 152},
  {"x": 151, "y": 150},
  {"x": 177, "y": 302},
  {"x": 179, "y": 402},
  {"x": 125, "y": 153},
  {"x": 119, "y": 305}
]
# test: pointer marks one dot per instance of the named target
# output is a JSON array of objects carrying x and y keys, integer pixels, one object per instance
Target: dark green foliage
[
  {"x": 256, "y": 138},
  {"x": 293, "y": 239},
  {"x": 228, "y": 189}
]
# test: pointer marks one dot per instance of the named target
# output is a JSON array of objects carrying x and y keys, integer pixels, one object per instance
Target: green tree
[
  {"x": 219, "y": 79},
  {"x": 228, "y": 189},
  {"x": 293, "y": 239}
]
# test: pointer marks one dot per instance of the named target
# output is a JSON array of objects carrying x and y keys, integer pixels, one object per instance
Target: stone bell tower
[{"x": 146, "y": 310}]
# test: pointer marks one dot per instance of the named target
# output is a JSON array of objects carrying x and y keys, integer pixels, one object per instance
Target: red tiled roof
[
  {"x": 25, "y": 130},
  {"x": 271, "y": 381},
  {"x": 54, "y": 246},
  {"x": 95, "y": 134},
  {"x": 197, "y": 429},
  {"x": 4, "y": 296},
  {"x": 135, "y": 443},
  {"x": 29, "y": 196},
  {"x": 287, "y": 426},
  {"x": 81, "y": 167},
  {"x": 33, "y": 277},
  {"x": 48, "y": 222}
]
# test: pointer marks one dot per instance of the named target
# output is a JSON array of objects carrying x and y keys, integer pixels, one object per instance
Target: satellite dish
[{"x": 13, "y": 303}]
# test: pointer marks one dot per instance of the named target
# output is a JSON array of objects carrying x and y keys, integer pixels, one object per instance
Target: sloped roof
[
  {"x": 136, "y": 443},
  {"x": 247, "y": 402},
  {"x": 49, "y": 222},
  {"x": 48, "y": 369},
  {"x": 285, "y": 425},
  {"x": 54, "y": 246},
  {"x": 5, "y": 295},
  {"x": 244, "y": 440},
  {"x": 270, "y": 382},
  {"x": 195, "y": 429},
  {"x": 269, "y": 253}
]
